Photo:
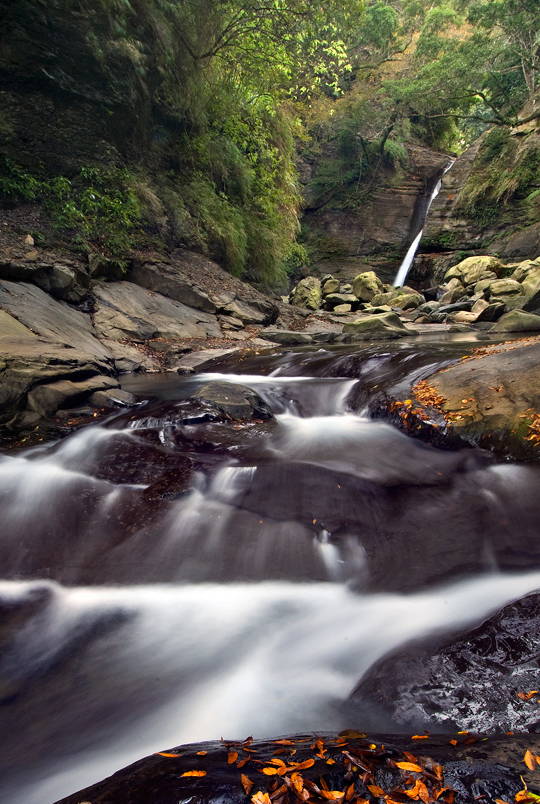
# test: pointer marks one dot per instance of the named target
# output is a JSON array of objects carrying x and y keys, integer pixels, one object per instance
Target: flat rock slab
[
  {"x": 471, "y": 767},
  {"x": 169, "y": 281},
  {"x": 492, "y": 397},
  {"x": 53, "y": 320},
  {"x": 196, "y": 360},
  {"x": 127, "y": 311}
]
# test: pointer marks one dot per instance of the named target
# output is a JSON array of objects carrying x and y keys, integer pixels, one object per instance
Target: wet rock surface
[
  {"x": 468, "y": 682},
  {"x": 210, "y": 772}
]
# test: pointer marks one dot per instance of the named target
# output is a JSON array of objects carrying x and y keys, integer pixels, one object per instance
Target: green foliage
[
  {"x": 97, "y": 206},
  {"x": 506, "y": 169}
]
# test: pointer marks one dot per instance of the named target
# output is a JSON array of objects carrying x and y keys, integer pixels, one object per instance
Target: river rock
[
  {"x": 234, "y": 401},
  {"x": 331, "y": 285},
  {"x": 492, "y": 312},
  {"x": 285, "y": 336},
  {"x": 367, "y": 285},
  {"x": 332, "y": 300},
  {"x": 385, "y": 324},
  {"x": 127, "y": 311},
  {"x": 503, "y": 287},
  {"x": 342, "y": 309},
  {"x": 470, "y": 682},
  {"x": 66, "y": 280},
  {"x": 472, "y": 267},
  {"x": 467, "y": 766},
  {"x": 251, "y": 312},
  {"x": 531, "y": 283},
  {"x": 408, "y": 301},
  {"x": 517, "y": 321},
  {"x": 307, "y": 293}
]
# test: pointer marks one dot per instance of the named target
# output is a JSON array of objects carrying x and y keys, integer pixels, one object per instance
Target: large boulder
[
  {"x": 471, "y": 269},
  {"x": 167, "y": 280},
  {"x": 489, "y": 398},
  {"x": 286, "y": 337},
  {"x": 332, "y": 300},
  {"x": 386, "y": 325},
  {"x": 367, "y": 285},
  {"x": 331, "y": 285},
  {"x": 408, "y": 301},
  {"x": 517, "y": 321},
  {"x": 505, "y": 287},
  {"x": 308, "y": 293},
  {"x": 64, "y": 279},
  {"x": 51, "y": 357}
]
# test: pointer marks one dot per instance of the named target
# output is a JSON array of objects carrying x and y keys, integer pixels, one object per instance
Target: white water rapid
[{"x": 169, "y": 582}]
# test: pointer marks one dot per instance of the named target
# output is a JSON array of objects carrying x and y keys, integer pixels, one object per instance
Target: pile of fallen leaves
[
  {"x": 358, "y": 774},
  {"x": 344, "y": 769}
]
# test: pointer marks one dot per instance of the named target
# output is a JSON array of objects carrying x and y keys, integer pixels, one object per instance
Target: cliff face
[
  {"x": 348, "y": 237},
  {"x": 71, "y": 92},
  {"x": 488, "y": 204}
]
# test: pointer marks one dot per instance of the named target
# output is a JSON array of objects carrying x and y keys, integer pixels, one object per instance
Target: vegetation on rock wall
[{"x": 138, "y": 123}]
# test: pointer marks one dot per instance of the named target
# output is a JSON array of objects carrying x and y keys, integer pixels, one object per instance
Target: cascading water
[
  {"x": 405, "y": 266},
  {"x": 140, "y": 612}
]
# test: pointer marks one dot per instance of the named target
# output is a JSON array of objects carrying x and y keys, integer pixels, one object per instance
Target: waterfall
[{"x": 405, "y": 266}]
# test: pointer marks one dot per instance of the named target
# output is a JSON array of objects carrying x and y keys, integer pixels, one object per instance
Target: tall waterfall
[{"x": 405, "y": 266}]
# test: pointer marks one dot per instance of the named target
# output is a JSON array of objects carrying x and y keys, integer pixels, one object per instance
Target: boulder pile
[{"x": 478, "y": 290}]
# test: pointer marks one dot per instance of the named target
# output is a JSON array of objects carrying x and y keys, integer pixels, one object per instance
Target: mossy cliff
[
  {"x": 123, "y": 140},
  {"x": 489, "y": 203}
]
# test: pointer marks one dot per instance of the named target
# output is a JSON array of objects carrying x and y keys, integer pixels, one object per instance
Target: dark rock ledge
[{"x": 461, "y": 768}]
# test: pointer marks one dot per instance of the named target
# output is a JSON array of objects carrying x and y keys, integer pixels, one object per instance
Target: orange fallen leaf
[
  {"x": 202, "y": 753},
  {"x": 530, "y": 759},
  {"x": 420, "y": 737},
  {"x": 377, "y": 791},
  {"x": 261, "y": 798},
  {"x": 232, "y": 757},
  {"x": 194, "y": 773},
  {"x": 528, "y": 695},
  {"x": 247, "y": 784},
  {"x": 330, "y": 761},
  {"x": 243, "y": 762},
  {"x": 269, "y": 771},
  {"x": 166, "y": 754},
  {"x": 332, "y": 795},
  {"x": 308, "y": 763},
  {"x": 297, "y": 781},
  {"x": 349, "y": 792},
  {"x": 453, "y": 742},
  {"x": 500, "y": 801},
  {"x": 283, "y": 742},
  {"x": 410, "y": 766}
]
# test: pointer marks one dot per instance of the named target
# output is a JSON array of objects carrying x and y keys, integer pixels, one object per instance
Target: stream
[{"x": 167, "y": 583}]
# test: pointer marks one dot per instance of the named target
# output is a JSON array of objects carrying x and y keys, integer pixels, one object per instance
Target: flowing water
[
  {"x": 418, "y": 224},
  {"x": 167, "y": 583}
]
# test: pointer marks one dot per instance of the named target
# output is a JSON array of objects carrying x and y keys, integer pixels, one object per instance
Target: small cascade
[
  {"x": 405, "y": 266},
  {"x": 168, "y": 581}
]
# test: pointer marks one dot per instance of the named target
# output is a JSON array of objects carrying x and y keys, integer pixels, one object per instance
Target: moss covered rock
[{"x": 308, "y": 293}]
